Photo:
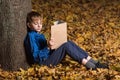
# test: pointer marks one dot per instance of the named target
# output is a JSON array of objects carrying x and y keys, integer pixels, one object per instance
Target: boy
[{"x": 37, "y": 48}]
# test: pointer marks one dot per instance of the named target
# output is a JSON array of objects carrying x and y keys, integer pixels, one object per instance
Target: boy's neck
[{"x": 34, "y": 31}]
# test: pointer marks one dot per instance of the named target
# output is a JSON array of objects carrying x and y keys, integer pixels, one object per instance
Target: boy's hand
[{"x": 51, "y": 42}]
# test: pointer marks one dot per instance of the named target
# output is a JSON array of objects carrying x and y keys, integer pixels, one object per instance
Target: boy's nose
[{"x": 39, "y": 25}]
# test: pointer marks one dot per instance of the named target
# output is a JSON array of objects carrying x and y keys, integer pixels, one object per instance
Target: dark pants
[{"x": 69, "y": 48}]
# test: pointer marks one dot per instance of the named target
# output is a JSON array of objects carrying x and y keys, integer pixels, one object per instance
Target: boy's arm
[{"x": 36, "y": 52}]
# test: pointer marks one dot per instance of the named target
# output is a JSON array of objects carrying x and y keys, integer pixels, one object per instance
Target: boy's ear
[{"x": 28, "y": 24}]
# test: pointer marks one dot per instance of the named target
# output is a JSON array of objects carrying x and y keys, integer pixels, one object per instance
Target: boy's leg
[
  {"x": 60, "y": 53},
  {"x": 75, "y": 52},
  {"x": 84, "y": 53},
  {"x": 55, "y": 57},
  {"x": 88, "y": 61},
  {"x": 81, "y": 54},
  {"x": 78, "y": 48}
]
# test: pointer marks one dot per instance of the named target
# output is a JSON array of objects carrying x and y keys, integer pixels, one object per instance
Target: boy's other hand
[{"x": 51, "y": 42}]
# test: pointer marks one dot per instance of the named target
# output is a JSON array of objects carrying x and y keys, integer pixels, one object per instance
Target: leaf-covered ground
[{"x": 94, "y": 25}]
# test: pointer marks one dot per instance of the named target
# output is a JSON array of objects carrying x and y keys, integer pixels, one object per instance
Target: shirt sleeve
[{"x": 38, "y": 54}]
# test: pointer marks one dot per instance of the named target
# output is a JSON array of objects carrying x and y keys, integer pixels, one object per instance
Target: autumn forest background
[{"x": 94, "y": 25}]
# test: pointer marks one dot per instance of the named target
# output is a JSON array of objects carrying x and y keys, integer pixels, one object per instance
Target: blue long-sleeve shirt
[{"x": 36, "y": 46}]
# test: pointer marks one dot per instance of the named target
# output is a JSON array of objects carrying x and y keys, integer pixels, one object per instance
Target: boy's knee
[{"x": 66, "y": 44}]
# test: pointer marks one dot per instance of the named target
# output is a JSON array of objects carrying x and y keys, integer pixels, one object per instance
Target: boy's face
[{"x": 36, "y": 24}]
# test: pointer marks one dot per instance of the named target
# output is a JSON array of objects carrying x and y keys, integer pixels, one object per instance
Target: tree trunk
[{"x": 12, "y": 33}]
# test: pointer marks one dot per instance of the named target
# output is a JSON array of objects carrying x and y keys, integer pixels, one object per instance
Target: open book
[{"x": 59, "y": 33}]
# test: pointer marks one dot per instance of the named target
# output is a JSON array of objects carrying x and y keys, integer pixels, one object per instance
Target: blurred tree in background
[{"x": 13, "y": 31}]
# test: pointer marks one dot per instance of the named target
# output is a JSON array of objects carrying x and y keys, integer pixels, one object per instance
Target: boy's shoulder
[
  {"x": 31, "y": 33},
  {"x": 34, "y": 34}
]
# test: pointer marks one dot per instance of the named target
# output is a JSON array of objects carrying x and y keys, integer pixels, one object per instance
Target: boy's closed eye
[{"x": 36, "y": 23}]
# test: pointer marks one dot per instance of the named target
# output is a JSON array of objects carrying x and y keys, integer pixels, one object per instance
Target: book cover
[{"x": 59, "y": 33}]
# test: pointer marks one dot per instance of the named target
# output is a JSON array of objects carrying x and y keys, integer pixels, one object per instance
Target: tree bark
[{"x": 12, "y": 34}]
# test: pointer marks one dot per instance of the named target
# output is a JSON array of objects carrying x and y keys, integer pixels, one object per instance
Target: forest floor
[{"x": 94, "y": 25}]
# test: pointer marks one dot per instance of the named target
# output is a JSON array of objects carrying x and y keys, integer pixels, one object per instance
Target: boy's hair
[
  {"x": 29, "y": 18},
  {"x": 32, "y": 14}
]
